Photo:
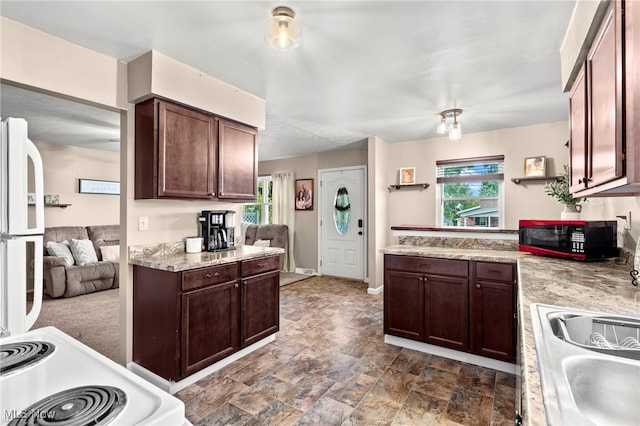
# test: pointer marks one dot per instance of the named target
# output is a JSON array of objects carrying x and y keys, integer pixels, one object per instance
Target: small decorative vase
[{"x": 570, "y": 212}]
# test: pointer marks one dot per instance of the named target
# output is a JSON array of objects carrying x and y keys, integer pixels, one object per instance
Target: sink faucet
[{"x": 4, "y": 332}]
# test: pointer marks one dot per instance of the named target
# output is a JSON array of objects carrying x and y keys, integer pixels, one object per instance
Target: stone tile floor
[{"x": 329, "y": 365}]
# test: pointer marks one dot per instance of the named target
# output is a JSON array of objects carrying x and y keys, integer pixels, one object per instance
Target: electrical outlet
[{"x": 143, "y": 223}]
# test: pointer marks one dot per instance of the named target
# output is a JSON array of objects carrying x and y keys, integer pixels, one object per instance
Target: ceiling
[{"x": 364, "y": 68}]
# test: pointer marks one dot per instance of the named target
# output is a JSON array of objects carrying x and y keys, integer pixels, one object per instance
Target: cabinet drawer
[
  {"x": 209, "y": 276},
  {"x": 260, "y": 265},
  {"x": 428, "y": 265},
  {"x": 494, "y": 271}
]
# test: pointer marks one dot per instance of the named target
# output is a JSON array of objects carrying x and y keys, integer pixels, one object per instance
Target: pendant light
[
  {"x": 455, "y": 131},
  {"x": 283, "y": 32}
]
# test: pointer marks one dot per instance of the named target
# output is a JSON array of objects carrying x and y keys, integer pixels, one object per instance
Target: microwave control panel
[{"x": 577, "y": 242}]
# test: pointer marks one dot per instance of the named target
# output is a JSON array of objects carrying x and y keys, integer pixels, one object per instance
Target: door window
[{"x": 341, "y": 210}]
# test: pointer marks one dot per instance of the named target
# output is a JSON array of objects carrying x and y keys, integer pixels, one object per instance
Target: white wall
[
  {"x": 63, "y": 165},
  {"x": 522, "y": 201}
]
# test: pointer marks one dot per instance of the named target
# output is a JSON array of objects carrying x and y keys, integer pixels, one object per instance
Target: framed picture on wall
[
  {"x": 304, "y": 194},
  {"x": 407, "y": 175},
  {"x": 535, "y": 166}
]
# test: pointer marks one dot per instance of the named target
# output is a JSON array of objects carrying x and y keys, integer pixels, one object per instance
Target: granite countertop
[
  {"x": 173, "y": 258},
  {"x": 603, "y": 286},
  {"x": 509, "y": 256}
]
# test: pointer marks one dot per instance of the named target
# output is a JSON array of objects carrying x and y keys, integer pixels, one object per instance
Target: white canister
[{"x": 193, "y": 244}]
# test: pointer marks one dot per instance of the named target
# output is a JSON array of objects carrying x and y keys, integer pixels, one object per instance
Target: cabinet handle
[
  {"x": 208, "y": 275},
  {"x": 515, "y": 315},
  {"x": 213, "y": 194},
  {"x": 235, "y": 285},
  {"x": 478, "y": 286},
  {"x": 245, "y": 283},
  {"x": 260, "y": 265}
]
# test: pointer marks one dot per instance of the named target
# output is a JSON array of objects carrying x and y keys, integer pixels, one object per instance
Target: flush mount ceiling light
[
  {"x": 454, "y": 130},
  {"x": 283, "y": 32}
]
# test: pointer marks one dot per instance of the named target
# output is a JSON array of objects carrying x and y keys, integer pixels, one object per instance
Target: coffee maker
[{"x": 217, "y": 228}]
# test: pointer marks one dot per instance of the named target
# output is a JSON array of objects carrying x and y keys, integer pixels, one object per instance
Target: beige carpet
[{"x": 91, "y": 318}]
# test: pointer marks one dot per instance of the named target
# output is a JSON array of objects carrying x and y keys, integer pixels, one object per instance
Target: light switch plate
[{"x": 143, "y": 223}]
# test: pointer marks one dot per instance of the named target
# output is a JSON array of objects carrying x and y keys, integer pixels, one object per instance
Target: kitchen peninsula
[
  {"x": 603, "y": 286},
  {"x": 193, "y": 313}
]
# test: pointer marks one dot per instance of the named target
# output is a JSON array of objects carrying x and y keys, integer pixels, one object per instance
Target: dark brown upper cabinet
[
  {"x": 184, "y": 153},
  {"x": 604, "y": 146}
]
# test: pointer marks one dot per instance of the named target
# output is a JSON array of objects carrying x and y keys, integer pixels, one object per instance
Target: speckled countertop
[
  {"x": 599, "y": 286},
  {"x": 172, "y": 256}
]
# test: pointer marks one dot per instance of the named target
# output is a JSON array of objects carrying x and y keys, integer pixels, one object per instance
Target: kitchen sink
[
  {"x": 589, "y": 365},
  {"x": 601, "y": 389}
]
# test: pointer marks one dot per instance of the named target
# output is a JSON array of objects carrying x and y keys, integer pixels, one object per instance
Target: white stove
[{"x": 70, "y": 365}]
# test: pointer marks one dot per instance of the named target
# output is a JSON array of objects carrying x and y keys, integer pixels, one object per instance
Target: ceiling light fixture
[
  {"x": 455, "y": 129},
  {"x": 283, "y": 32}
]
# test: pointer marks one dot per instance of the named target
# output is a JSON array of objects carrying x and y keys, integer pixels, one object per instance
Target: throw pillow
[
  {"x": 60, "y": 249},
  {"x": 262, "y": 243},
  {"x": 83, "y": 251},
  {"x": 110, "y": 253}
]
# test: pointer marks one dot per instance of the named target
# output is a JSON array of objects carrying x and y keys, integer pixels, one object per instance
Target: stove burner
[
  {"x": 17, "y": 356},
  {"x": 81, "y": 406}
]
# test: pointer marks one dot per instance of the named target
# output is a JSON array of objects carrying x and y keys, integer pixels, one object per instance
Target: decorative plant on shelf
[{"x": 560, "y": 191}]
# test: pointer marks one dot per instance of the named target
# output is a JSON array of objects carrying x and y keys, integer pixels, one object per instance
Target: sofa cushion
[
  {"x": 61, "y": 249},
  {"x": 89, "y": 278},
  {"x": 61, "y": 233},
  {"x": 110, "y": 253},
  {"x": 103, "y": 235},
  {"x": 83, "y": 251}
]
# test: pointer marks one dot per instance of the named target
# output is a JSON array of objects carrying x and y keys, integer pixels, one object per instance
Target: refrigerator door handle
[
  {"x": 34, "y": 154},
  {"x": 15, "y": 303},
  {"x": 19, "y": 150}
]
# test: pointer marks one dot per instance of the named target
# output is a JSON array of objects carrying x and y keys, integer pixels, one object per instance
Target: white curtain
[{"x": 283, "y": 199}]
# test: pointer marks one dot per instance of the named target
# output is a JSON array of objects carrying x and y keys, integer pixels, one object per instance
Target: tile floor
[{"x": 330, "y": 366}]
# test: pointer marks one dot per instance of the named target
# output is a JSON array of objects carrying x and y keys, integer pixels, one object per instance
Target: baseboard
[
  {"x": 376, "y": 290},
  {"x": 306, "y": 271},
  {"x": 173, "y": 387},
  {"x": 453, "y": 354}
]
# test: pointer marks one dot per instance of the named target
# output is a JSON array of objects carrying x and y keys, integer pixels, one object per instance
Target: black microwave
[{"x": 572, "y": 239}]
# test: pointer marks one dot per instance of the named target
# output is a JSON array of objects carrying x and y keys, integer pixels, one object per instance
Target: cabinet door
[
  {"x": 210, "y": 325},
  {"x": 446, "y": 321},
  {"x": 238, "y": 165},
  {"x": 186, "y": 152},
  {"x": 604, "y": 76},
  {"x": 404, "y": 304},
  {"x": 493, "y": 309},
  {"x": 260, "y": 306},
  {"x": 578, "y": 136}
]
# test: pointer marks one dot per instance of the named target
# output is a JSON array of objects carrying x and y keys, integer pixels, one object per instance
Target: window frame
[
  {"x": 267, "y": 205},
  {"x": 441, "y": 181}
]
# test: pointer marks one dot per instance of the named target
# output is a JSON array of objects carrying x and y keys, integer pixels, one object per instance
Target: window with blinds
[{"x": 469, "y": 192}]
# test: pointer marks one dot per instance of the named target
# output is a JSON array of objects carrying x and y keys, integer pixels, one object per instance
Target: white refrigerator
[{"x": 21, "y": 227}]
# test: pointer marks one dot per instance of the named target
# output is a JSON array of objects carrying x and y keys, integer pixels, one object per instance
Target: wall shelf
[
  {"x": 412, "y": 185},
  {"x": 520, "y": 180},
  {"x": 62, "y": 206}
]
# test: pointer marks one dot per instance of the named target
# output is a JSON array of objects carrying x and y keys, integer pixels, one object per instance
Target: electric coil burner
[
  {"x": 17, "y": 356},
  {"x": 81, "y": 406}
]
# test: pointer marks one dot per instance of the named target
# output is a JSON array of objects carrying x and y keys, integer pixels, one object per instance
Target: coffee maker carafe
[{"x": 217, "y": 228}]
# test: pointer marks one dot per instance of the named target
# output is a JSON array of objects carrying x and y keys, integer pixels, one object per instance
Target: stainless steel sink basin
[{"x": 589, "y": 375}]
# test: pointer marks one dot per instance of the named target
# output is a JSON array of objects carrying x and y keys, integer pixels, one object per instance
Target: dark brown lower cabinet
[
  {"x": 260, "y": 306},
  {"x": 186, "y": 321},
  {"x": 404, "y": 304},
  {"x": 463, "y": 305},
  {"x": 210, "y": 325},
  {"x": 446, "y": 307},
  {"x": 493, "y": 308}
]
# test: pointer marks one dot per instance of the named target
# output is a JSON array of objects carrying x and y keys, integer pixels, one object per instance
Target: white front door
[{"x": 342, "y": 210}]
